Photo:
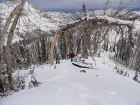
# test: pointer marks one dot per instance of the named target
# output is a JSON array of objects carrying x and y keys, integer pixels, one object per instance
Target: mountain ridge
[{"x": 34, "y": 22}]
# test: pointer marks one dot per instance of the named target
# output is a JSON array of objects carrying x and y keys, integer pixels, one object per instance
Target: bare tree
[
  {"x": 3, "y": 34},
  {"x": 96, "y": 23},
  {"x": 8, "y": 48},
  {"x": 84, "y": 10},
  {"x": 106, "y": 5},
  {"x": 122, "y": 6}
]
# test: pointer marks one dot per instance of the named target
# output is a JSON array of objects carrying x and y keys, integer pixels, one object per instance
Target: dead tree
[
  {"x": 122, "y": 7},
  {"x": 8, "y": 48},
  {"x": 98, "y": 22},
  {"x": 16, "y": 12},
  {"x": 57, "y": 35},
  {"x": 105, "y": 8}
]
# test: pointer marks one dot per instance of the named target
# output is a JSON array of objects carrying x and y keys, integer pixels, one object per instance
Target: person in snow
[{"x": 71, "y": 55}]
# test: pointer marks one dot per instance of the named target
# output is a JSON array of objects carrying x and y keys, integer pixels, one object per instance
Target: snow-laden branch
[{"x": 115, "y": 20}]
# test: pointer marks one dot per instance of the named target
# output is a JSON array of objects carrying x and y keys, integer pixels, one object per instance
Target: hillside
[
  {"x": 34, "y": 20},
  {"x": 66, "y": 85}
]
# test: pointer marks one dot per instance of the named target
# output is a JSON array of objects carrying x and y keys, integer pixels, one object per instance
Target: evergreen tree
[
  {"x": 62, "y": 47},
  {"x": 57, "y": 56},
  {"x": 38, "y": 52},
  {"x": 114, "y": 48},
  {"x": 0, "y": 22},
  {"x": 106, "y": 49},
  {"x": 25, "y": 56},
  {"x": 43, "y": 50}
]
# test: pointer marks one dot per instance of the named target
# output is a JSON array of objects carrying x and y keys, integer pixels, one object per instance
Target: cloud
[
  {"x": 77, "y": 4},
  {"x": 62, "y": 4}
]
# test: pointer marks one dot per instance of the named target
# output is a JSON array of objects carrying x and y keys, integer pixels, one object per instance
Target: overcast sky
[{"x": 77, "y": 4}]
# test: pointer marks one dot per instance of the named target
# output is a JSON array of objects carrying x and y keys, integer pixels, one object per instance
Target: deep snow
[{"x": 66, "y": 85}]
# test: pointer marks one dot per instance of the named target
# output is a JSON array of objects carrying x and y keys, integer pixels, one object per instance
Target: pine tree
[
  {"x": 63, "y": 47},
  {"x": 0, "y": 23},
  {"x": 38, "y": 52},
  {"x": 114, "y": 48},
  {"x": 106, "y": 47},
  {"x": 57, "y": 56},
  {"x": 43, "y": 50},
  {"x": 25, "y": 56}
]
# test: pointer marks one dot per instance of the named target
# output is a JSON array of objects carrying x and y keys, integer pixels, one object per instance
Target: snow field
[{"x": 66, "y": 85}]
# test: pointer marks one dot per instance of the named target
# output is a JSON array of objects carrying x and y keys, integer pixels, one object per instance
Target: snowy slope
[
  {"x": 33, "y": 20},
  {"x": 66, "y": 85}
]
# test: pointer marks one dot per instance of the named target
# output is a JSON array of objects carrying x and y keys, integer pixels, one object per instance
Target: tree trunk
[
  {"x": 2, "y": 37},
  {"x": 8, "y": 48},
  {"x": 97, "y": 22},
  {"x": 57, "y": 35},
  {"x": 6, "y": 26}
]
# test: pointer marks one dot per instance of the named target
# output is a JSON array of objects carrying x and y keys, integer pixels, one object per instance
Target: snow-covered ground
[{"x": 66, "y": 85}]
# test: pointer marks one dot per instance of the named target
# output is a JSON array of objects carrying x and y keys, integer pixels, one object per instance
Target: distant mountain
[
  {"x": 136, "y": 9},
  {"x": 80, "y": 10}
]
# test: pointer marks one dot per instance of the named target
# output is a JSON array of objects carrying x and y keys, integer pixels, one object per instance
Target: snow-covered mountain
[{"x": 34, "y": 22}]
